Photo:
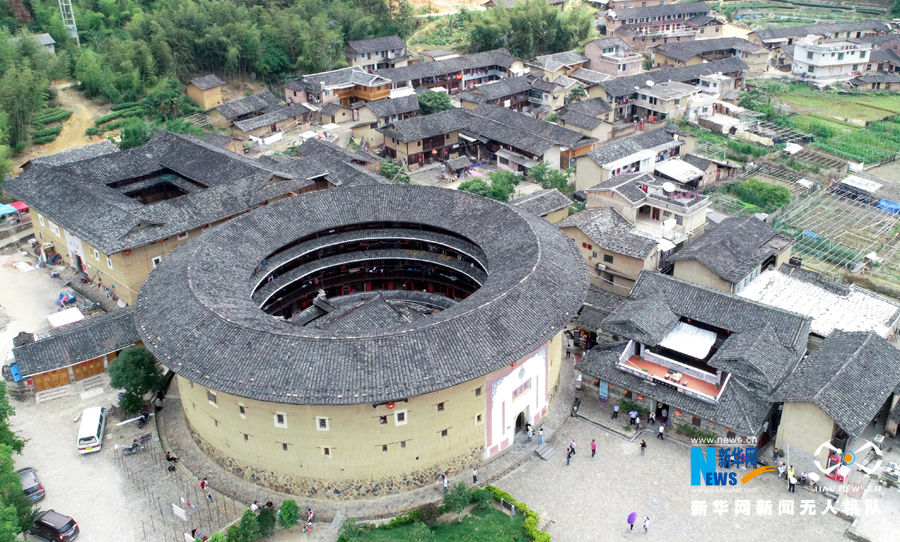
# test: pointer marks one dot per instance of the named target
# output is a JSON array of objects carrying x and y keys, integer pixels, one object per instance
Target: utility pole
[{"x": 68, "y": 19}]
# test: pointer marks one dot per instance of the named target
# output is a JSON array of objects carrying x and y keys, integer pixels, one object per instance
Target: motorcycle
[
  {"x": 137, "y": 445},
  {"x": 142, "y": 421}
]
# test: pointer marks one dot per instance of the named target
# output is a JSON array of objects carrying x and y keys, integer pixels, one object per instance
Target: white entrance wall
[
  {"x": 521, "y": 388},
  {"x": 73, "y": 243}
]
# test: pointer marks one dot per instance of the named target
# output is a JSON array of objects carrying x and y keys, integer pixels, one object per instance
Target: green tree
[
  {"x": 476, "y": 186},
  {"x": 576, "y": 95},
  {"x": 9, "y": 524},
  {"x": 457, "y": 499},
  {"x": 351, "y": 530},
  {"x": 288, "y": 514},
  {"x": 250, "y": 531},
  {"x": 267, "y": 520},
  {"x": 419, "y": 532},
  {"x": 11, "y": 494},
  {"x": 547, "y": 178},
  {"x": 135, "y": 370},
  {"x": 235, "y": 534},
  {"x": 394, "y": 171},
  {"x": 431, "y": 102},
  {"x": 217, "y": 537}
]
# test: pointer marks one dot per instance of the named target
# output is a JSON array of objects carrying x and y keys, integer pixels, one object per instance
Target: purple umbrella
[{"x": 632, "y": 517}]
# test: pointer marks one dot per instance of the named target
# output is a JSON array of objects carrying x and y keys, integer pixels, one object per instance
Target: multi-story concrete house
[
  {"x": 557, "y": 65},
  {"x": 823, "y": 58},
  {"x": 647, "y": 26},
  {"x": 377, "y": 53},
  {"x": 779, "y": 38},
  {"x": 614, "y": 57},
  {"x": 455, "y": 74}
]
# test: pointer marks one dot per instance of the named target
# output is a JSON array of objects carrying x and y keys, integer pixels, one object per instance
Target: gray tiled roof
[
  {"x": 700, "y": 8},
  {"x": 738, "y": 408},
  {"x": 344, "y": 78},
  {"x": 612, "y": 232},
  {"x": 78, "y": 197},
  {"x": 616, "y": 150},
  {"x": 606, "y": 43},
  {"x": 250, "y": 104},
  {"x": 701, "y": 20},
  {"x": 763, "y": 343},
  {"x": 591, "y": 106},
  {"x": 697, "y": 161},
  {"x": 821, "y": 29},
  {"x": 626, "y": 185},
  {"x": 388, "y": 107},
  {"x": 876, "y": 78},
  {"x": 372, "y": 313},
  {"x": 500, "y": 88},
  {"x": 558, "y": 61},
  {"x": 884, "y": 55},
  {"x": 207, "y": 82},
  {"x": 78, "y": 342},
  {"x": 685, "y": 50},
  {"x": 79, "y": 153},
  {"x": 735, "y": 247},
  {"x": 273, "y": 115},
  {"x": 374, "y": 45},
  {"x": 331, "y": 108},
  {"x": 878, "y": 40},
  {"x": 590, "y": 76},
  {"x": 580, "y": 120},
  {"x": 432, "y": 125},
  {"x": 849, "y": 376},
  {"x": 624, "y": 86},
  {"x": 217, "y": 139},
  {"x": 597, "y": 306},
  {"x": 542, "y": 202},
  {"x": 497, "y": 57},
  {"x": 217, "y": 336}
]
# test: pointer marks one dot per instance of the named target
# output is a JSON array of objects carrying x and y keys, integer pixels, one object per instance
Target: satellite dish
[
  {"x": 668, "y": 187},
  {"x": 650, "y": 83}
]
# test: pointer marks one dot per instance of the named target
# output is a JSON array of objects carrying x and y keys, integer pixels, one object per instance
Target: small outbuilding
[{"x": 206, "y": 91}]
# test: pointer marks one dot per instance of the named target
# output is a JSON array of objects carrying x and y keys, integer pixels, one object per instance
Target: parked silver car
[{"x": 30, "y": 483}]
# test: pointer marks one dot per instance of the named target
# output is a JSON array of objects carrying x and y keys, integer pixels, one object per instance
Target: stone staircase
[
  {"x": 545, "y": 451},
  {"x": 55, "y": 393}
]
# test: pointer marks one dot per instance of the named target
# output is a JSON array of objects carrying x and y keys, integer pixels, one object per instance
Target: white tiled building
[{"x": 822, "y": 58}]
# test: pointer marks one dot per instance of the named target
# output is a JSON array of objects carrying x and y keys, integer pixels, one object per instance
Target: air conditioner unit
[{"x": 601, "y": 267}]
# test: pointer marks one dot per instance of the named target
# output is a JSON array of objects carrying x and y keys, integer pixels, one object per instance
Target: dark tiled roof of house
[
  {"x": 686, "y": 50},
  {"x": 536, "y": 282},
  {"x": 849, "y": 376},
  {"x": 580, "y": 120},
  {"x": 591, "y": 106},
  {"x": 500, "y": 88},
  {"x": 597, "y": 306},
  {"x": 343, "y": 78},
  {"x": 331, "y": 108},
  {"x": 251, "y": 104},
  {"x": 606, "y": 43},
  {"x": 218, "y": 140},
  {"x": 520, "y": 123},
  {"x": 627, "y": 185},
  {"x": 822, "y": 29},
  {"x": 702, "y": 20},
  {"x": 79, "y": 153},
  {"x": 82, "y": 197},
  {"x": 612, "y": 232},
  {"x": 878, "y": 40},
  {"x": 273, "y": 115},
  {"x": 372, "y": 313},
  {"x": 616, "y": 150},
  {"x": 207, "y": 82},
  {"x": 884, "y": 55},
  {"x": 590, "y": 76},
  {"x": 497, "y": 57},
  {"x": 623, "y": 86},
  {"x": 558, "y": 61},
  {"x": 738, "y": 408},
  {"x": 876, "y": 78},
  {"x": 700, "y": 8},
  {"x": 389, "y": 107},
  {"x": 542, "y": 202},
  {"x": 376, "y": 45},
  {"x": 697, "y": 161},
  {"x": 763, "y": 343},
  {"x": 78, "y": 342},
  {"x": 432, "y": 125},
  {"x": 735, "y": 247}
]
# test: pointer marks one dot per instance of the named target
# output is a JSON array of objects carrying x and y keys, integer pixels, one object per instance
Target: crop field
[{"x": 810, "y": 103}]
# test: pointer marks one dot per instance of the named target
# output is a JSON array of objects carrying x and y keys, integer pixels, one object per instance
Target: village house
[
  {"x": 227, "y": 142},
  {"x": 615, "y": 251},
  {"x": 623, "y": 4},
  {"x": 551, "y": 205},
  {"x": 436, "y": 54},
  {"x": 44, "y": 40},
  {"x": 706, "y": 359},
  {"x": 709, "y": 170},
  {"x": 622, "y": 92},
  {"x": 455, "y": 74},
  {"x": 72, "y": 353},
  {"x": 556, "y": 65},
  {"x": 116, "y": 216},
  {"x": 512, "y": 93},
  {"x": 549, "y": 96},
  {"x": 668, "y": 100},
  {"x": 278, "y": 118},
  {"x": 779, "y": 38},
  {"x": 346, "y": 86},
  {"x": 518, "y": 141},
  {"x": 673, "y": 217},
  {"x": 376, "y": 53},
  {"x": 646, "y": 26},
  {"x": 699, "y": 51},
  {"x": 614, "y": 57},
  {"x": 876, "y": 81},
  {"x": 206, "y": 91},
  {"x": 590, "y": 81},
  {"x": 591, "y": 117},
  {"x": 832, "y": 305},
  {"x": 731, "y": 254},
  {"x": 378, "y": 114},
  {"x": 226, "y": 114},
  {"x": 597, "y": 305},
  {"x": 835, "y": 393},
  {"x": 839, "y": 57},
  {"x": 635, "y": 154},
  {"x": 73, "y": 155}
]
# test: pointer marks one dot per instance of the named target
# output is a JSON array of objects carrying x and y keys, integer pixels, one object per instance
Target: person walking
[
  {"x": 632, "y": 517},
  {"x": 643, "y": 446},
  {"x": 792, "y": 485},
  {"x": 541, "y": 435},
  {"x": 572, "y": 446},
  {"x": 255, "y": 506},
  {"x": 615, "y": 412},
  {"x": 652, "y": 419},
  {"x": 204, "y": 484},
  {"x": 445, "y": 482},
  {"x": 659, "y": 435},
  {"x": 209, "y": 498},
  {"x": 646, "y": 523},
  {"x": 474, "y": 476},
  {"x": 593, "y": 447},
  {"x": 790, "y": 472},
  {"x": 569, "y": 455},
  {"x": 568, "y": 352},
  {"x": 637, "y": 423},
  {"x": 774, "y": 455}
]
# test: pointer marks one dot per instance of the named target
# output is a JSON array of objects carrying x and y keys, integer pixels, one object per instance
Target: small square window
[
  {"x": 96, "y": 254},
  {"x": 382, "y": 420},
  {"x": 400, "y": 418},
  {"x": 478, "y": 419},
  {"x": 326, "y": 451},
  {"x": 384, "y": 447},
  {"x": 593, "y": 254},
  {"x": 607, "y": 258},
  {"x": 440, "y": 407},
  {"x": 242, "y": 410},
  {"x": 246, "y": 436},
  {"x": 156, "y": 261},
  {"x": 41, "y": 219},
  {"x": 322, "y": 424},
  {"x": 54, "y": 228},
  {"x": 281, "y": 420},
  {"x": 109, "y": 262},
  {"x": 444, "y": 433},
  {"x": 284, "y": 446},
  {"x": 403, "y": 444},
  {"x": 183, "y": 235},
  {"x": 477, "y": 392},
  {"x": 211, "y": 397}
]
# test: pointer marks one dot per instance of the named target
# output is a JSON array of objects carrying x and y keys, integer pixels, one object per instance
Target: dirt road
[{"x": 72, "y": 135}]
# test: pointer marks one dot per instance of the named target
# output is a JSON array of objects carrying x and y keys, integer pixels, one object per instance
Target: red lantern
[
  {"x": 513, "y": 364},
  {"x": 677, "y": 413},
  {"x": 710, "y": 423},
  {"x": 640, "y": 397},
  {"x": 127, "y": 252},
  {"x": 390, "y": 405}
]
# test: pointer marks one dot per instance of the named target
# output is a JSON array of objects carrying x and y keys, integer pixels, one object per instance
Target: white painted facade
[
  {"x": 822, "y": 58},
  {"x": 520, "y": 390}
]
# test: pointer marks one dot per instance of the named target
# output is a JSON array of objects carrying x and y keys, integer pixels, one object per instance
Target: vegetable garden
[{"x": 41, "y": 134}]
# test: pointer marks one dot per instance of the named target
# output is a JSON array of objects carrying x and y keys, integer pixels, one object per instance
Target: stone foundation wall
[{"x": 337, "y": 489}]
